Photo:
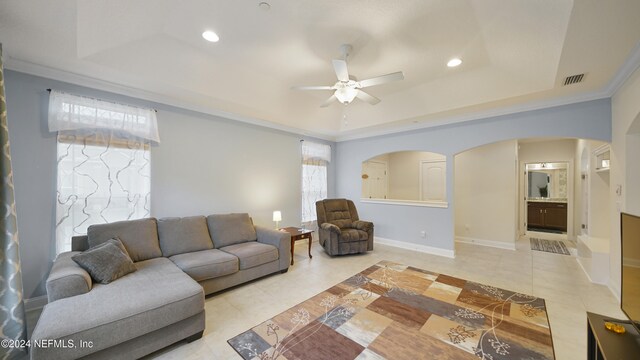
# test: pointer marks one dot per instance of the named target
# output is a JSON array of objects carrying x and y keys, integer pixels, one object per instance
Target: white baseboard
[
  {"x": 484, "y": 242},
  {"x": 416, "y": 247},
  {"x": 35, "y": 303},
  {"x": 606, "y": 283}
]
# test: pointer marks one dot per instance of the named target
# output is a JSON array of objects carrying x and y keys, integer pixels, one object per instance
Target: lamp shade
[{"x": 277, "y": 216}]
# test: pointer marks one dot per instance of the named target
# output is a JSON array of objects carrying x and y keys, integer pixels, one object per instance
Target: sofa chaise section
[
  {"x": 157, "y": 295},
  {"x": 142, "y": 312}
]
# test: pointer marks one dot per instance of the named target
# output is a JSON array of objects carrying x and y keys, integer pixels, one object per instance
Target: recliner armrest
[
  {"x": 330, "y": 227},
  {"x": 362, "y": 225},
  {"x": 67, "y": 278}
]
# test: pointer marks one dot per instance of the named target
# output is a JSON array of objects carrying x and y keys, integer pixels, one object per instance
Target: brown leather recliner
[{"x": 341, "y": 231}]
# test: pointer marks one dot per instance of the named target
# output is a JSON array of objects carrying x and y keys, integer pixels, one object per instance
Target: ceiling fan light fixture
[
  {"x": 454, "y": 62},
  {"x": 348, "y": 87},
  {"x": 346, "y": 94},
  {"x": 210, "y": 36}
]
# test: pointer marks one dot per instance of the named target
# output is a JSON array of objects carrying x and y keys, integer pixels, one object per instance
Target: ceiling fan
[{"x": 348, "y": 87}]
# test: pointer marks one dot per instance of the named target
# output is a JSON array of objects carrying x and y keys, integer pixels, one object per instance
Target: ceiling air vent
[{"x": 573, "y": 79}]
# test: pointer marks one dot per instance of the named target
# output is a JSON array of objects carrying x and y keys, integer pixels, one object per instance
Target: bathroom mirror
[
  {"x": 547, "y": 180},
  {"x": 405, "y": 176}
]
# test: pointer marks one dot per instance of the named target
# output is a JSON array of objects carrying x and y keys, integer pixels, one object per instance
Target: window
[
  {"x": 103, "y": 163},
  {"x": 315, "y": 159}
]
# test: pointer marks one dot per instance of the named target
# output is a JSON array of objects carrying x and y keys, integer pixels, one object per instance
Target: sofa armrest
[
  {"x": 67, "y": 278},
  {"x": 330, "y": 227},
  {"x": 279, "y": 239},
  {"x": 363, "y": 225}
]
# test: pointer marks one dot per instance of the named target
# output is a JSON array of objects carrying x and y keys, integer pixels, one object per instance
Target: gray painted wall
[
  {"x": 591, "y": 120},
  {"x": 203, "y": 165}
]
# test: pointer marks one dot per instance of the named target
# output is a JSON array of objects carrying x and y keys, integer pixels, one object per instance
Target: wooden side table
[{"x": 298, "y": 234}]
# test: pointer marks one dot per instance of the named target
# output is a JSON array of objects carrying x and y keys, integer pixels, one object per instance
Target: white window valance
[
  {"x": 315, "y": 151},
  {"x": 72, "y": 112}
]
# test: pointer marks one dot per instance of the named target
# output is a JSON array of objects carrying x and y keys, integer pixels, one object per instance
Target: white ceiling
[{"x": 515, "y": 53}]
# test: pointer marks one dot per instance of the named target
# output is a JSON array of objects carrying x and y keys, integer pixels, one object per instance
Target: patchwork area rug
[
  {"x": 394, "y": 311},
  {"x": 552, "y": 246}
]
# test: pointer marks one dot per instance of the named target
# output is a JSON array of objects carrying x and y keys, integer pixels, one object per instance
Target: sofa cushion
[
  {"x": 229, "y": 229},
  {"x": 206, "y": 264},
  {"x": 140, "y": 237},
  {"x": 183, "y": 235},
  {"x": 347, "y": 235},
  {"x": 157, "y": 295},
  {"x": 106, "y": 262},
  {"x": 252, "y": 254}
]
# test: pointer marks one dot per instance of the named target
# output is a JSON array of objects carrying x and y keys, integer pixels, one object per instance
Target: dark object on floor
[
  {"x": 552, "y": 246},
  {"x": 341, "y": 231}
]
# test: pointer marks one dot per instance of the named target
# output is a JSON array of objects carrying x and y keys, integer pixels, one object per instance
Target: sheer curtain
[
  {"x": 315, "y": 159},
  {"x": 103, "y": 163}
]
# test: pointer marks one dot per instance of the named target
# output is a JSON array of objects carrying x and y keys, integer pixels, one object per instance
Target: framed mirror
[{"x": 547, "y": 181}]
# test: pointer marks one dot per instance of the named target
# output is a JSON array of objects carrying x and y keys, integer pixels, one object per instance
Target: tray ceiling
[{"x": 514, "y": 53}]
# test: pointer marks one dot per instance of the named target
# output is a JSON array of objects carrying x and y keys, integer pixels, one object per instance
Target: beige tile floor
[{"x": 557, "y": 278}]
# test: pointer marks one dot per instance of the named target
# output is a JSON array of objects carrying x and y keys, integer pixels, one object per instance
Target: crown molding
[
  {"x": 31, "y": 68},
  {"x": 425, "y": 122},
  {"x": 624, "y": 73}
]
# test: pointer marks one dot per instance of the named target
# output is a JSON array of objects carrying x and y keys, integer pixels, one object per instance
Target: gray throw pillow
[{"x": 106, "y": 262}]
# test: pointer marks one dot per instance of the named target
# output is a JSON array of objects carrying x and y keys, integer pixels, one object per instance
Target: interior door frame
[{"x": 571, "y": 233}]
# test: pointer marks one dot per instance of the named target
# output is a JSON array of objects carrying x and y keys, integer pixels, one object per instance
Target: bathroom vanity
[{"x": 547, "y": 214}]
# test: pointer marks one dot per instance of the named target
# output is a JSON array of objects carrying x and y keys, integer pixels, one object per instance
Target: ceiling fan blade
[
  {"x": 329, "y": 101},
  {"x": 312, "y": 88},
  {"x": 382, "y": 79},
  {"x": 367, "y": 98},
  {"x": 340, "y": 67}
]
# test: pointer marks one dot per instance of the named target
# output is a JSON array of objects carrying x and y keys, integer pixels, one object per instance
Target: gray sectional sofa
[{"x": 178, "y": 261}]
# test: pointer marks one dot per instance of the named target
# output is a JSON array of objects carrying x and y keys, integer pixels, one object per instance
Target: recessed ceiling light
[
  {"x": 454, "y": 62},
  {"x": 210, "y": 36}
]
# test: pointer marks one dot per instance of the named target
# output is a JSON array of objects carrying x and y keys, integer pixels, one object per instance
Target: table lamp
[{"x": 277, "y": 217}]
